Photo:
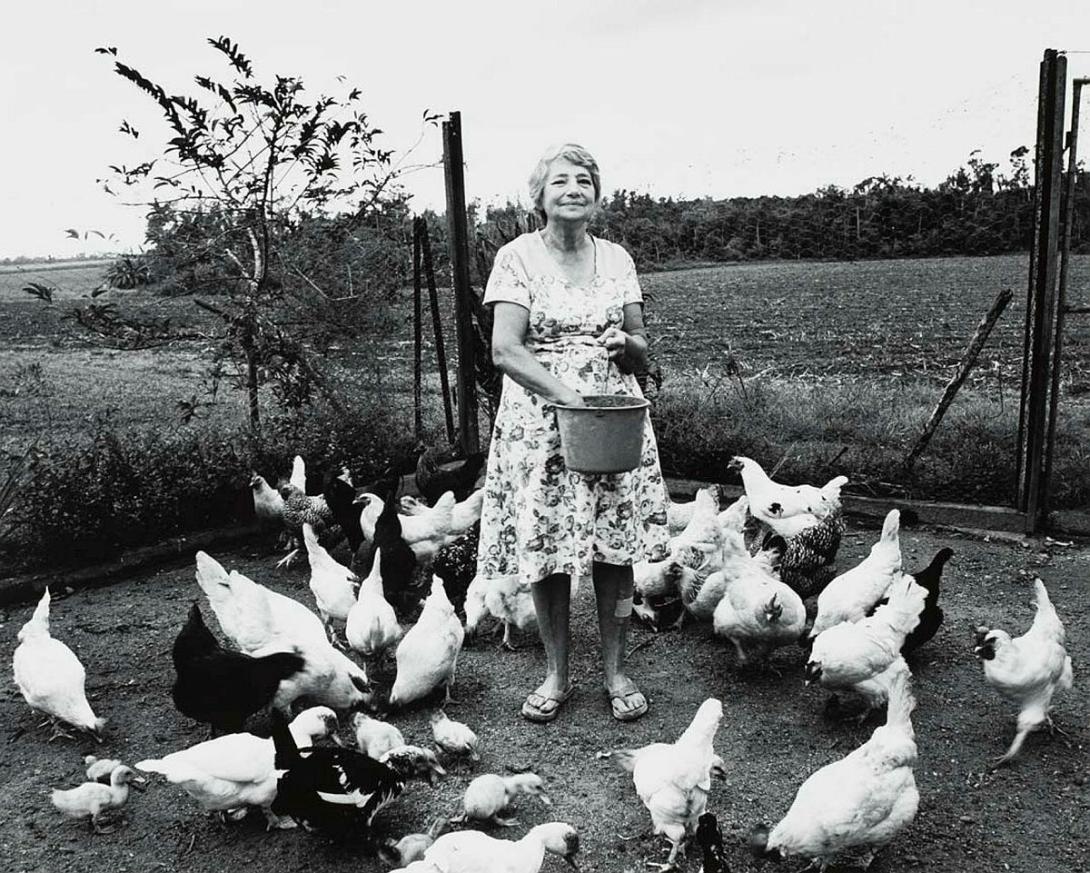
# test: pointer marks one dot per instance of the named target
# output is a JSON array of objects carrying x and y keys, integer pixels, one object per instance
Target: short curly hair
[{"x": 570, "y": 151}]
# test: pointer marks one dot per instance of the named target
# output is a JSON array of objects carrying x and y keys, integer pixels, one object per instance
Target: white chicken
[
  {"x": 427, "y": 655},
  {"x": 425, "y": 533},
  {"x": 238, "y": 770},
  {"x": 91, "y": 799},
  {"x": 51, "y": 677},
  {"x": 757, "y": 612},
  {"x": 489, "y": 795},
  {"x": 854, "y": 593},
  {"x": 851, "y": 653},
  {"x": 678, "y": 515},
  {"x": 333, "y": 584},
  {"x": 507, "y": 598},
  {"x": 475, "y": 852},
  {"x": 453, "y": 737},
  {"x": 372, "y": 625},
  {"x": 700, "y": 545},
  {"x": 463, "y": 515},
  {"x": 375, "y": 737},
  {"x": 1028, "y": 670},
  {"x": 769, "y": 499},
  {"x": 268, "y": 504},
  {"x": 860, "y": 802},
  {"x": 261, "y": 621},
  {"x": 673, "y": 779}
]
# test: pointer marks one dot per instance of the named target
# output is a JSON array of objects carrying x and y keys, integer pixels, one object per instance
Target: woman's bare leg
[
  {"x": 613, "y": 591},
  {"x": 552, "y": 603}
]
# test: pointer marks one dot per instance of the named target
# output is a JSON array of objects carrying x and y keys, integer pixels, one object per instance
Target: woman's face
[{"x": 568, "y": 194}]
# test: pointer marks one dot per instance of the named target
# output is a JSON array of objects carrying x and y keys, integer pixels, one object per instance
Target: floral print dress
[{"x": 538, "y": 517}]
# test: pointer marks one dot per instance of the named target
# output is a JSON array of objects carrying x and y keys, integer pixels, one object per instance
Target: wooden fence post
[
  {"x": 967, "y": 360},
  {"x": 437, "y": 323},
  {"x": 459, "y": 267},
  {"x": 1041, "y": 302},
  {"x": 418, "y": 337}
]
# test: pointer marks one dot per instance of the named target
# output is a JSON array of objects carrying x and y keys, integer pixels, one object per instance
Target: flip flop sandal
[
  {"x": 542, "y": 708},
  {"x": 628, "y": 713}
]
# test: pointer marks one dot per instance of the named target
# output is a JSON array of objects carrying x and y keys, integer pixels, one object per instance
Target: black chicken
[
  {"x": 398, "y": 568},
  {"x": 710, "y": 838},
  {"x": 340, "y": 497},
  {"x": 221, "y": 687},
  {"x": 338, "y": 789},
  {"x": 433, "y": 482},
  {"x": 456, "y": 564},
  {"x": 931, "y": 617}
]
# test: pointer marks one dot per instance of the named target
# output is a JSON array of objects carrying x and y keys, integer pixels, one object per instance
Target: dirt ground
[{"x": 1031, "y": 816}]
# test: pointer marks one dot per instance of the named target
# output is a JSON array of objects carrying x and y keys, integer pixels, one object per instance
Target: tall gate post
[
  {"x": 1037, "y": 359},
  {"x": 459, "y": 265}
]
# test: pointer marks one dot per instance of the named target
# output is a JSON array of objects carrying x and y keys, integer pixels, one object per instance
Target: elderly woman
[{"x": 568, "y": 322}]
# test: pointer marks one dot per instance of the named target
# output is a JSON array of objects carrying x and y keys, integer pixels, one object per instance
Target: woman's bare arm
[{"x": 510, "y": 354}]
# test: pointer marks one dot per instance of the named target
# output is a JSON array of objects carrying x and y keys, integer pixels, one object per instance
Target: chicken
[
  {"x": 398, "y": 564},
  {"x": 334, "y": 586},
  {"x": 673, "y": 779},
  {"x": 268, "y": 504},
  {"x": 757, "y": 612},
  {"x": 1028, "y": 670},
  {"x": 463, "y": 515},
  {"x": 456, "y": 564},
  {"x": 221, "y": 687},
  {"x": 372, "y": 625},
  {"x": 340, "y": 497},
  {"x": 678, "y": 515},
  {"x": 375, "y": 737},
  {"x": 238, "y": 770},
  {"x": 301, "y": 508},
  {"x": 340, "y": 789},
  {"x": 91, "y": 799},
  {"x": 807, "y": 559},
  {"x": 853, "y": 594},
  {"x": 489, "y": 795},
  {"x": 453, "y": 737},
  {"x": 411, "y": 847},
  {"x": 851, "y": 653},
  {"x": 507, "y": 598},
  {"x": 700, "y": 545},
  {"x": 768, "y": 499},
  {"x": 475, "y": 852},
  {"x": 860, "y": 802},
  {"x": 427, "y": 655},
  {"x": 51, "y": 677},
  {"x": 432, "y": 481},
  {"x": 931, "y": 617},
  {"x": 428, "y": 532},
  {"x": 261, "y": 621},
  {"x": 657, "y": 592}
]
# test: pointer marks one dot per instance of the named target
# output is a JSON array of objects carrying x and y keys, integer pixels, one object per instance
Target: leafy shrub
[
  {"x": 128, "y": 272},
  {"x": 130, "y": 488}
]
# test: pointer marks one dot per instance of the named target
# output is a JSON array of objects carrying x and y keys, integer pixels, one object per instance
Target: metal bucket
[{"x": 605, "y": 435}]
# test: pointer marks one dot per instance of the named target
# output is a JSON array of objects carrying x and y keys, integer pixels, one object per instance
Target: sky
[{"x": 684, "y": 98}]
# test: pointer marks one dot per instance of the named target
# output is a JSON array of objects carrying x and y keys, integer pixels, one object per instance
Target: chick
[
  {"x": 489, "y": 795},
  {"x": 51, "y": 677},
  {"x": 375, "y": 737},
  {"x": 91, "y": 799},
  {"x": 453, "y": 737},
  {"x": 1028, "y": 670},
  {"x": 411, "y": 847},
  {"x": 100, "y": 770}
]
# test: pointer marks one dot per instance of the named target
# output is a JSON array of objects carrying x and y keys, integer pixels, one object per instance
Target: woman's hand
[
  {"x": 573, "y": 398},
  {"x": 615, "y": 341}
]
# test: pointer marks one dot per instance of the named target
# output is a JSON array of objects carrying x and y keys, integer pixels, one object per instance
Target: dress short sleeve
[
  {"x": 508, "y": 280},
  {"x": 630, "y": 285}
]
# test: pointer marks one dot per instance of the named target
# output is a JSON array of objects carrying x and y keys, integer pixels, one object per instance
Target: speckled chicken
[{"x": 456, "y": 564}]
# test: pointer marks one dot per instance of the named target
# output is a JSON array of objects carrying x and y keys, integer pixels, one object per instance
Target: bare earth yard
[{"x": 1032, "y": 816}]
